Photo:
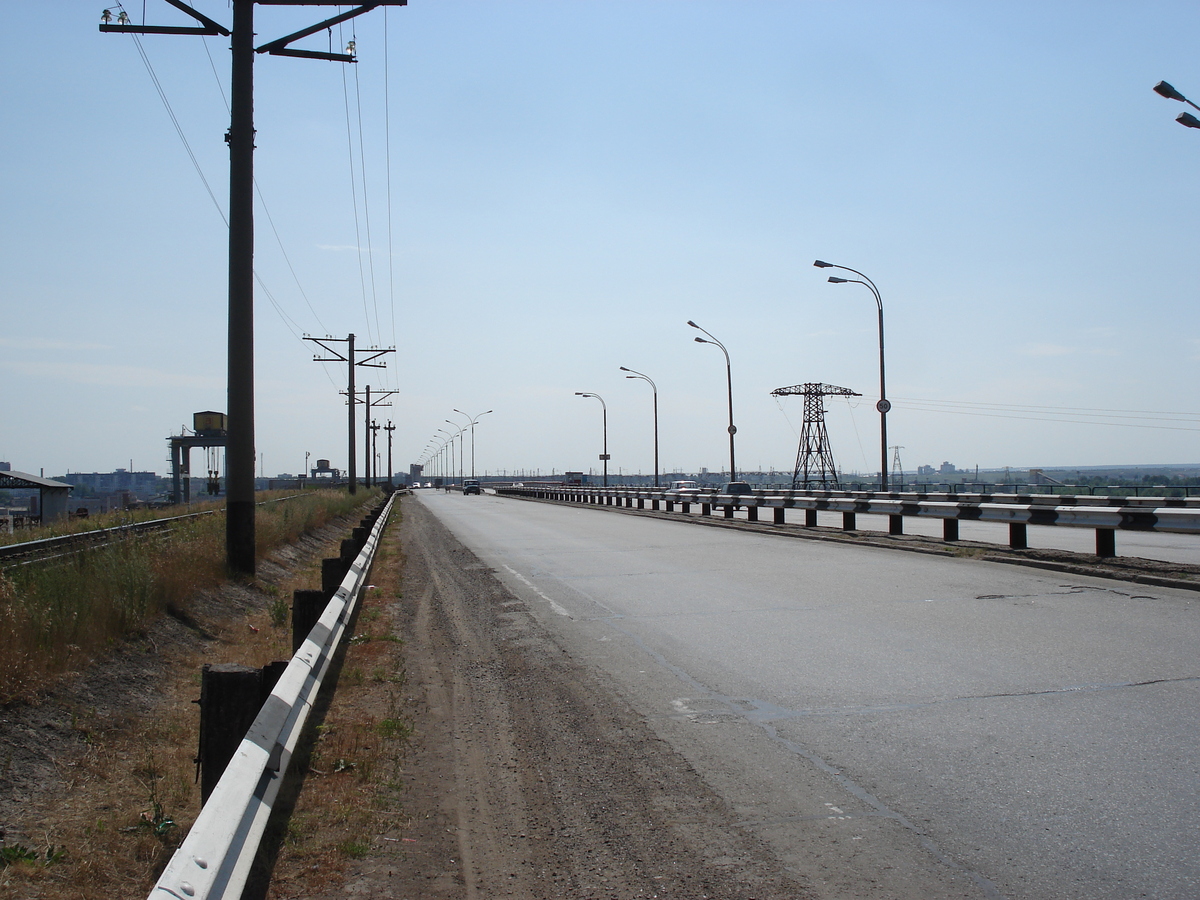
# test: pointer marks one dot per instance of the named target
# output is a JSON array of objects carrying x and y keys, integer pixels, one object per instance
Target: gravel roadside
[{"x": 527, "y": 776}]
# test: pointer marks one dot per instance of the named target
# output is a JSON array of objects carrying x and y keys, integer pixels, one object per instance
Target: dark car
[
  {"x": 737, "y": 489},
  {"x": 471, "y": 486}
]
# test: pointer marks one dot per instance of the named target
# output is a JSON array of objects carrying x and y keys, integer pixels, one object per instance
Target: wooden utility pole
[
  {"x": 369, "y": 452},
  {"x": 374, "y": 452},
  {"x": 389, "y": 428},
  {"x": 239, "y": 517}
]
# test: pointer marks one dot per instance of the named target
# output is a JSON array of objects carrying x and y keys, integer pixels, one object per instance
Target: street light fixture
[
  {"x": 604, "y": 411},
  {"x": 884, "y": 404},
  {"x": 654, "y": 387},
  {"x": 1184, "y": 118},
  {"x": 732, "y": 429},
  {"x": 472, "y": 427}
]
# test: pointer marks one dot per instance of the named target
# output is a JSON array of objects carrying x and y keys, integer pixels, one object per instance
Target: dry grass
[
  {"x": 54, "y": 617},
  {"x": 125, "y": 808},
  {"x": 132, "y": 796},
  {"x": 352, "y": 777},
  {"x": 111, "y": 520}
]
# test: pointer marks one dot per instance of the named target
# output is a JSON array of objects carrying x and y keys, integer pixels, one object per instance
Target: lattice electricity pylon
[
  {"x": 897, "y": 478},
  {"x": 813, "y": 457}
]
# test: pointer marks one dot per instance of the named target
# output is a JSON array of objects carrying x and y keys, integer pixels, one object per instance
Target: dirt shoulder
[
  {"x": 526, "y": 775},
  {"x": 99, "y": 772}
]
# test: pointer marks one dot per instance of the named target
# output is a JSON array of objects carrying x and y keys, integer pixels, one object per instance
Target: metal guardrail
[
  {"x": 214, "y": 860},
  {"x": 1177, "y": 515}
]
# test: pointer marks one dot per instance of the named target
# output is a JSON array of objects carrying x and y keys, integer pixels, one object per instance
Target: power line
[
  {"x": 239, "y": 505},
  {"x": 362, "y": 163},
  {"x": 1137, "y": 413},
  {"x": 1062, "y": 414},
  {"x": 287, "y": 259},
  {"x": 362, "y": 277},
  {"x": 387, "y": 152},
  {"x": 266, "y": 209},
  {"x": 290, "y": 323},
  {"x": 162, "y": 94}
]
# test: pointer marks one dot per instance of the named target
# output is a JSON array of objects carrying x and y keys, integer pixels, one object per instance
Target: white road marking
[{"x": 554, "y": 605}]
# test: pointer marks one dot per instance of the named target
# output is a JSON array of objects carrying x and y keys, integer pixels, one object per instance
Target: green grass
[{"x": 354, "y": 848}]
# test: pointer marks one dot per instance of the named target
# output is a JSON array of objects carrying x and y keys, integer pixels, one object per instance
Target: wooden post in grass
[
  {"x": 230, "y": 698},
  {"x": 307, "y": 607}
]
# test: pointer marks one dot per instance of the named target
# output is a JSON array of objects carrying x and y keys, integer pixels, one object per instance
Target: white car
[{"x": 685, "y": 487}]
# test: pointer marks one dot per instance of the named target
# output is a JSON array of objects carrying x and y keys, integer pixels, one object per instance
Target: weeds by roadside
[
  {"x": 107, "y": 520},
  {"x": 349, "y": 805},
  {"x": 129, "y": 797},
  {"x": 55, "y": 617}
]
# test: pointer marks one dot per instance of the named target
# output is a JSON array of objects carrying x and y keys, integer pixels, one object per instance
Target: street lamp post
[
  {"x": 604, "y": 413},
  {"x": 427, "y": 460},
  {"x": 472, "y": 427},
  {"x": 459, "y": 435},
  {"x": 654, "y": 388},
  {"x": 1184, "y": 118},
  {"x": 729, "y": 379},
  {"x": 884, "y": 404},
  {"x": 450, "y": 443}
]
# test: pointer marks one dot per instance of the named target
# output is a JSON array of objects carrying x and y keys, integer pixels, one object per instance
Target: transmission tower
[
  {"x": 897, "y": 469},
  {"x": 813, "y": 457}
]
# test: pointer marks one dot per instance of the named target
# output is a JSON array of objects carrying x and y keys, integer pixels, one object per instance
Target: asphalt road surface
[
  {"x": 1160, "y": 545},
  {"x": 887, "y": 723}
]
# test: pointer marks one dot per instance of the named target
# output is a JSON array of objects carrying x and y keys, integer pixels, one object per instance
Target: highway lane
[{"x": 932, "y": 727}]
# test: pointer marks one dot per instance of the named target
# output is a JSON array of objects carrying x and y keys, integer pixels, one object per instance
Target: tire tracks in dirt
[{"x": 528, "y": 775}]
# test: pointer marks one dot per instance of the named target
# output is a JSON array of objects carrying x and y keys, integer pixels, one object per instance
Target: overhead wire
[
  {"x": 289, "y": 322},
  {"x": 375, "y": 328},
  {"x": 362, "y": 163},
  {"x": 362, "y": 276},
  {"x": 263, "y": 203},
  {"x": 162, "y": 95},
  {"x": 850, "y": 408},
  {"x": 1124, "y": 418},
  {"x": 387, "y": 153}
]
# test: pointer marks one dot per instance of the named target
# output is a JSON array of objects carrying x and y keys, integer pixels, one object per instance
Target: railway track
[{"x": 48, "y": 549}]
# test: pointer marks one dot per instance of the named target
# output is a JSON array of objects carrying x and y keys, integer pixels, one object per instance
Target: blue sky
[{"x": 552, "y": 189}]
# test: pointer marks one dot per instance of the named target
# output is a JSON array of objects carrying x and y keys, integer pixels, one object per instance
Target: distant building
[
  {"x": 141, "y": 485},
  {"x": 5, "y": 467},
  {"x": 947, "y": 469},
  {"x": 926, "y": 470}
]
